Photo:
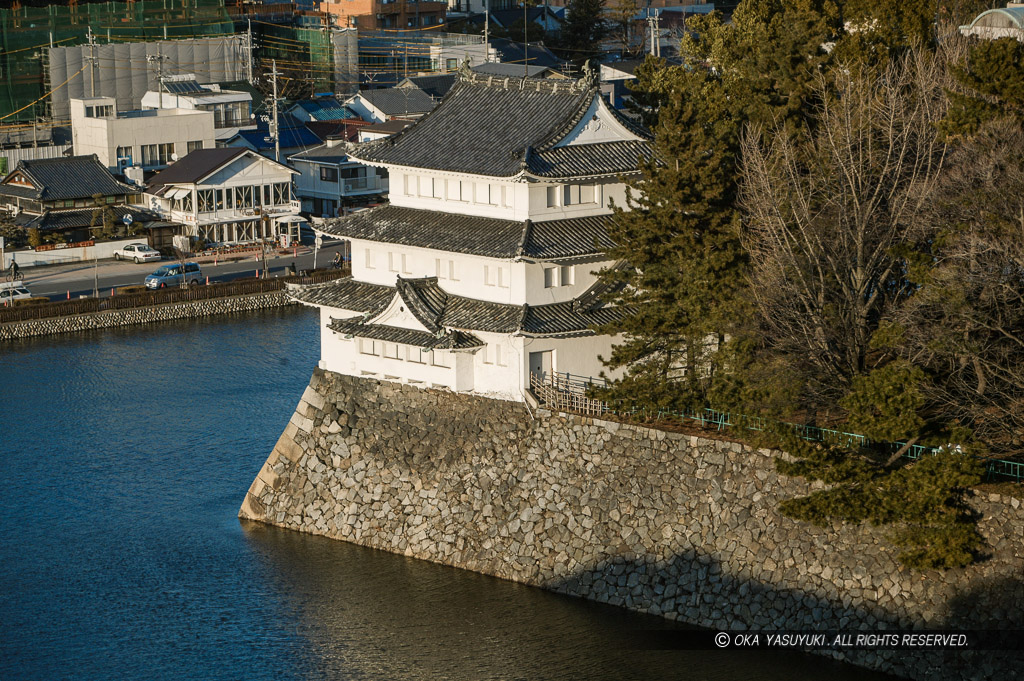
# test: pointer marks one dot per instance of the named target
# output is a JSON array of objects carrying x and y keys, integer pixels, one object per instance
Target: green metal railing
[{"x": 716, "y": 419}]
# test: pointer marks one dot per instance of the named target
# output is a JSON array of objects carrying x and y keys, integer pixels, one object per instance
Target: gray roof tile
[
  {"x": 493, "y": 126},
  {"x": 74, "y": 177},
  {"x": 475, "y": 235},
  {"x": 443, "y": 313},
  {"x": 398, "y": 101},
  {"x": 450, "y": 340}
]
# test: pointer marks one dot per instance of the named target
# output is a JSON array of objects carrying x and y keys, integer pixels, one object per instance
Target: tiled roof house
[{"x": 481, "y": 271}]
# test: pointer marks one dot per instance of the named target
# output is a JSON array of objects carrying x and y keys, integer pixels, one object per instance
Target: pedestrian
[{"x": 337, "y": 259}]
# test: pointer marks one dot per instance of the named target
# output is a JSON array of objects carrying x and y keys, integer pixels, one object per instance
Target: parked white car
[
  {"x": 10, "y": 291},
  {"x": 137, "y": 252}
]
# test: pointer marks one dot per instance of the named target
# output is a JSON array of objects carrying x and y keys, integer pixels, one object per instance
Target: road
[{"x": 77, "y": 279}]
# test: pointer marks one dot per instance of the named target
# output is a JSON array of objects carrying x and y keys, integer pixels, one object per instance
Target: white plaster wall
[
  {"x": 583, "y": 276},
  {"x": 498, "y": 366},
  {"x": 470, "y": 282},
  {"x": 520, "y": 200},
  {"x": 577, "y": 356}
]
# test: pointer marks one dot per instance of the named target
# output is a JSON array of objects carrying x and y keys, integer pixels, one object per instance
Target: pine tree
[
  {"x": 688, "y": 344},
  {"x": 991, "y": 86},
  {"x": 582, "y": 31},
  {"x": 680, "y": 241}
]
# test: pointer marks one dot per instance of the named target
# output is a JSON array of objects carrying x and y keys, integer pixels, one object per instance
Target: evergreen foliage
[
  {"x": 991, "y": 87},
  {"x": 925, "y": 504},
  {"x": 582, "y": 31},
  {"x": 832, "y": 225}
]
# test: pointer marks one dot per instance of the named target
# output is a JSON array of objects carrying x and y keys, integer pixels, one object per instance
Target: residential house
[
  {"x": 148, "y": 139},
  {"x": 379, "y": 131},
  {"x": 320, "y": 108},
  {"x": 347, "y": 129},
  {"x": 226, "y": 195},
  {"x": 232, "y": 109},
  {"x": 328, "y": 181},
  {"x": 68, "y": 196},
  {"x": 533, "y": 54},
  {"x": 293, "y": 137},
  {"x": 384, "y": 104},
  {"x": 480, "y": 275},
  {"x": 516, "y": 71},
  {"x": 435, "y": 86}
]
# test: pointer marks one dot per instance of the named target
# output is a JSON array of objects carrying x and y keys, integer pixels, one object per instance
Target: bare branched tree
[
  {"x": 827, "y": 210},
  {"x": 966, "y": 322}
]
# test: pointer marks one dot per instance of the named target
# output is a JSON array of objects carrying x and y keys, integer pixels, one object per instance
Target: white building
[
  {"x": 147, "y": 139},
  {"x": 482, "y": 269},
  {"x": 231, "y": 109},
  {"x": 226, "y": 195},
  {"x": 328, "y": 180},
  {"x": 1005, "y": 22}
]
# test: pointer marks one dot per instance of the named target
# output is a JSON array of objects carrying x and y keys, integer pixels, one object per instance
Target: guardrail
[
  {"x": 568, "y": 393},
  {"x": 21, "y": 313}
]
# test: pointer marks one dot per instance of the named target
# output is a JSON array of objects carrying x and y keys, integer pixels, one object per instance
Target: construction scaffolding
[
  {"x": 311, "y": 60},
  {"x": 27, "y": 33}
]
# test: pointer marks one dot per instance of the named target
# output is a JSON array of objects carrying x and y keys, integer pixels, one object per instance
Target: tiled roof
[
  {"x": 299, "y": 136},
  {"x": 575, "y": 160},
  {"x": 398, "y": 101},
  {"x": 323, "y": 154},
  {"x": 347, "y": 129},
  {"x": 474, "y": 235},
  {"x": 63, "y": 220},
  {"x": 390, "y": 127},
  {"x": 492, "y": 126},
  {"x": 511, "y": 70},
  {"x": 325, "y": 109},
  {"x": 195, "y": 166},
  {"x": 533, "y": 54},
  {"x": 74, "y": 177},
  {"x": 345, "y": 294},
  {"x": 437, "y": 310},
  {"x": 450, "y": 340},
  {"x": 434, "y": 86},
  {"x": 442, "y": 313}
]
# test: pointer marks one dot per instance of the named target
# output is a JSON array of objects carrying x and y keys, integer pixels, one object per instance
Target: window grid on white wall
[{"x": 370, "y": 264}]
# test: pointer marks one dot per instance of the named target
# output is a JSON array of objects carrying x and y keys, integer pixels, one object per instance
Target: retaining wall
[
  {"x": 662, "y": 523},
  {"x": 143, "y": 315}
]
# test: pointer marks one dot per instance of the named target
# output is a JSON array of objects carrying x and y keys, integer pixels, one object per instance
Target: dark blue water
[{"x": 126, "y": 454}]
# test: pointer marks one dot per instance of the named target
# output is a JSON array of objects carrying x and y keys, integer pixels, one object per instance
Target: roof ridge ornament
[{"x": 464, "y": 68}]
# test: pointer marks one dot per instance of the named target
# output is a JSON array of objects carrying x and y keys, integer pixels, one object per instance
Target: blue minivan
[{"x": 171, "y": 275}]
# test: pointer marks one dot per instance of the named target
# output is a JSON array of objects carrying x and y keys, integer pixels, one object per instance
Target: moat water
[{"x": 126, "y": 454}]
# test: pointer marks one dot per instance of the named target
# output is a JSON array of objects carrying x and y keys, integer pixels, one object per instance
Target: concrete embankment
[
  {"x": 662, "y": 523},
  {"x": 143, "y": 315}
]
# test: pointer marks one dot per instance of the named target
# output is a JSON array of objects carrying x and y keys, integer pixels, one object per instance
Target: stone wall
[
  {"x": 143, "y": 315},
  {"x": 658, "y": 522}
]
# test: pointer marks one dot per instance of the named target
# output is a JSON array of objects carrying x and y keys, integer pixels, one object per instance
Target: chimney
[{"x": 335, "y": 140}]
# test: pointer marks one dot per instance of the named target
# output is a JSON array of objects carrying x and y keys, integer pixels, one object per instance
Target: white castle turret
[{"x": 482, "y": 268}]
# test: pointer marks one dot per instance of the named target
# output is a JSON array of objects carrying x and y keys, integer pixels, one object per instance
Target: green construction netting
[{"x": 26, "y": 33}]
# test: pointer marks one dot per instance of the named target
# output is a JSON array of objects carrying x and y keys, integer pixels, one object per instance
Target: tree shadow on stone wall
[{"x": 700, "y": 591}]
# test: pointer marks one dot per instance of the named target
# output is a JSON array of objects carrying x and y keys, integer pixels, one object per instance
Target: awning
[{"x": 176, "y": 194}]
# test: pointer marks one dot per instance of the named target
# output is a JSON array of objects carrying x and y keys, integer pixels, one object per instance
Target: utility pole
[
  {"x": 92, "y": 62},
  {"x": 273, "y": 122},
  {"x": 159, "y": 60},
  {"x": 526, "y": 43},
  {"x": 248, "y": 47},
  {"x": 655, "y": 24},
  {"x": 487, "y": 30}
]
